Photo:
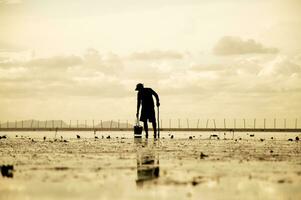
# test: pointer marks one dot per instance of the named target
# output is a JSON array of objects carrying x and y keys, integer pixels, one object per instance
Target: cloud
[
  {"x": 230, "y": 45},
  {"x": 10, "y": 1},
  {"x": 55, "y": 62},
  {"x": 156, "y": 55},
  {"x": 9, "y": 47}
]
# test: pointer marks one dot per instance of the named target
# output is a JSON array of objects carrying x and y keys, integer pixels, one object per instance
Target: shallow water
[{"x": 127, "y": 168}]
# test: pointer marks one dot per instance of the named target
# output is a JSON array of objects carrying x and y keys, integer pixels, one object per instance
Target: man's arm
[
  {"x": 157, "y": 97},
  {"x": 138, "y": 104}
]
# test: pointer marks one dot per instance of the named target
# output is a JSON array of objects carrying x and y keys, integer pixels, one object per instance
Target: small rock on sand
[
  {"x": 297, "y": 138},
  {"x": 190, "y": 137},
  {"x": 202, "y": 155},
  {"x": 171, "y": 137},
  {"x": 77, "y": 136},
  {"x": 7, "y": 170},
  {"x": 252, "y": 135},
  {"x": 109, "y": 137},
  {"x": 290, "y": 139}
]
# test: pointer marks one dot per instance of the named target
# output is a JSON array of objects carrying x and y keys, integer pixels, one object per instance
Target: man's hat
[{"x": 139, "y": 86}]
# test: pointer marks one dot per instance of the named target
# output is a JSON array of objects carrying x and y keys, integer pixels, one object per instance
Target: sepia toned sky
[{"x": 81, "y": 59}]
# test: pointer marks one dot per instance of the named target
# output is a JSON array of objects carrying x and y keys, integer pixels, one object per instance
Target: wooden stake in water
[
  {"x": 214, "y": 123},
  {"x": 225, "y": 123},
  {"x": 187, "y": 123},
  {"x": 207, "y": 123},
  {"x": 197, "y": 126},
  {"x": 244, "y": 123},
  {"x": 274, "y": 122},
  {"x": 254, "y": 123},
  {"x": 46, "y": 124},
  {"x": 296, "y": 123}
]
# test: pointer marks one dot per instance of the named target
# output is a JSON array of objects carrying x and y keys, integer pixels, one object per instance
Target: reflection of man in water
[
  {"x": 145, "y": 97},
  {"x": 147, "y": 162}
]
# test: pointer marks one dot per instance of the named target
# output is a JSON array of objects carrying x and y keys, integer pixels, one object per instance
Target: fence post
[
  {"x": 179, "y": 123},
  {"x": 169, "y": 124},
  {"x": 214, "y": 123},
  {"x": 224, "y": 123},
  {"x": 285, "y": 123},
  {"x": 244, "y": 123},
  {"x": 76, "y": 123},
  {"x": 296, "y": 123},
  {"x": 31, "y": 124},
  {"x": 274, "y": 123},
  {"x": 197, "y": 126},
  {"x": 187, "y": 123},
  {"x": 7, "y": 124},
  {"x": 254, "y": 123},
  {"x": 235, "y": 123},
  {"x": 21, "y": 124},
  {"x": 207, "y": 123},
  {"x": 38, "y": 123},
  {"x": 264, "y": 120}
]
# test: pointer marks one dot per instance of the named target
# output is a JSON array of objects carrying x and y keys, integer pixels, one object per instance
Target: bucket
[{"x": 138, "y": 130}]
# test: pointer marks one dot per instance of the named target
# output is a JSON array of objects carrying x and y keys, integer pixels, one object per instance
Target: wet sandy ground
[{"x": 124, "y": 168}]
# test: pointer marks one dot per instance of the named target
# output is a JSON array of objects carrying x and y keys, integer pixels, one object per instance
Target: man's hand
[{"x": 158, "y": 104}]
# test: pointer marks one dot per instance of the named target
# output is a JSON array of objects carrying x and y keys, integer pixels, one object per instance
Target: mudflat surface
[{"x": 231, "y": 167}]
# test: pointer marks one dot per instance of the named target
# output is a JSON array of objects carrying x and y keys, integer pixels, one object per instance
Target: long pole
[{"x": 158, "y": 122}]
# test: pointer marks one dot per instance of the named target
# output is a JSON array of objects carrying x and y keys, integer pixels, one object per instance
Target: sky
[{"x": 81, "y": 59}]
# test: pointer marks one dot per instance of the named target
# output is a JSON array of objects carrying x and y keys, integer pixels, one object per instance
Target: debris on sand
[
  {"x": 7, "y": 170},
  {"x": 190, "y": 137},
  {"x": 290, "y": 139},
  {"x": 252, "y": 135},
  {"x": 3, "y": 137},
  {"x": 271, "y": 151},
  {"x": 32, "y": 140},
  {"x": 272, "y": 138},
  {"x": 108, "y": 137},
  {"x": 95, "y": 137},
  {"x": 16, "y": 135},
  {"x": 214, "y": 136},
  {"x": 261, "y": 140},
  {"x": 77, "y": 136},
  {"x": 297, "y": 138},
  {"x": 171, "y": 137},
  {"x": 44, "y": 138},
  {"x": 202, "y": 155},
  {"x": 65, "y": 141}
]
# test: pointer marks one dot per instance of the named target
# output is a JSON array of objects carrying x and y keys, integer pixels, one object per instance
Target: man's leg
[
  {"x": 155, "y": 129},
  {"x": 145, "y": 128}
]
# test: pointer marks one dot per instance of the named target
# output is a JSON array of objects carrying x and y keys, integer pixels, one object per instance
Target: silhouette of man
[{"x": 145, "y": 98}]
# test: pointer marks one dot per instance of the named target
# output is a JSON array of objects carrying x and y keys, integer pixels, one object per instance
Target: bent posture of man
[{"x": 145, "y": 98}]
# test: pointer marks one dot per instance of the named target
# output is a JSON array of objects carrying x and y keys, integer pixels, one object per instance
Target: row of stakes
[{"x": 100, "y": 125}]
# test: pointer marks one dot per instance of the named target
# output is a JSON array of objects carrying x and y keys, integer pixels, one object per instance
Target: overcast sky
[{"x": 81, "y": 59}]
